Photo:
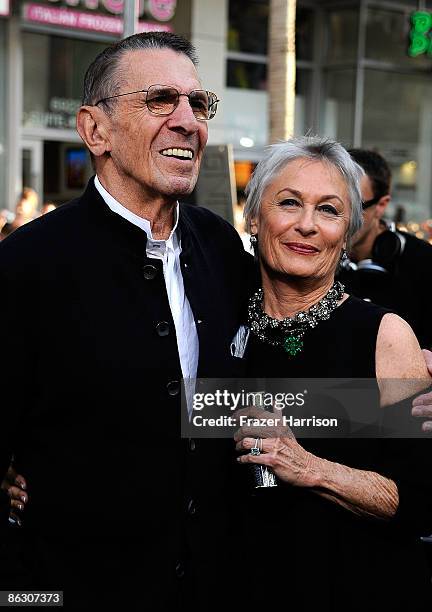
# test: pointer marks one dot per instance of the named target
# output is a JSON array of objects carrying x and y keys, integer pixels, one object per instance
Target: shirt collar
[{"x": 142, "y": 223}]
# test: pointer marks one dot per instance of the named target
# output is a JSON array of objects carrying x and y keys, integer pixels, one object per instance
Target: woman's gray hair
[{"x": 315, "y": 148}]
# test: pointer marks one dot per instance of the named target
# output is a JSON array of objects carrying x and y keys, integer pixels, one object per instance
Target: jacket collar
[{"x": 121, "y": 232}]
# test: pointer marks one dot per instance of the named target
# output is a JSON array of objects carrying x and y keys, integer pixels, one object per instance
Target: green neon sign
[{"x": 421, "y": 42}]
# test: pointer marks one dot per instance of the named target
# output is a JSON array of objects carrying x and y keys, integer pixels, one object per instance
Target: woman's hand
[
  {"x": 422, "y": 405},
  {"x": 362, "y": 492},
  {"x": 279, "y": 449},
  {"x": 15, "y": 486}
]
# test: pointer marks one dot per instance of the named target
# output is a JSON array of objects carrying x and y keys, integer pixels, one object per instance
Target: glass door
[{"x": 32, "y": 166}]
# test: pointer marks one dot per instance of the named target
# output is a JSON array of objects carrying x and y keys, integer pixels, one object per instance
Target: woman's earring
[
  {"x": 254, "y": 246},
  {"x": 343, "y": 257}
]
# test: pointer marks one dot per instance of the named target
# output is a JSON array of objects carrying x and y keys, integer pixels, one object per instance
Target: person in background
[
  {"x": 4, "y": 218},
  {"x": 47, "y": 207},
  {"x": 27, "y": 205},
  {"x": 386, "y": 266},
  {"x": 26, "y": 210}
]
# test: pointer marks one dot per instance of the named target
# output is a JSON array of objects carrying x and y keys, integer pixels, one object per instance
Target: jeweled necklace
[{"x": 289, "y": 332}]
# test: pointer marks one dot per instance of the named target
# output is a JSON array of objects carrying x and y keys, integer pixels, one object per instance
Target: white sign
[
  {"x": 67, "y": 18},
  {"x": 4, "y": 7}
]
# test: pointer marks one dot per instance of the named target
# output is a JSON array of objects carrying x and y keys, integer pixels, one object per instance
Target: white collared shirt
[{"x": 168, "y": 251}]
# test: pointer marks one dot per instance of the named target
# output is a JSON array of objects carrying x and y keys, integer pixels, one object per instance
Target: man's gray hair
[
  {"x": 314, "y": 148},
  {"x": 103, "y": 78}
]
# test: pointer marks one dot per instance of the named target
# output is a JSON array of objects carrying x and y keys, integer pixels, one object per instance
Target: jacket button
[
  {"x": 149, "y": 272},
  {"x": 173, "y": 387},
  {"x": 162, "y": 328},
  {"x": 179, "y": 570},
  {"x": 191, "y": 507}
]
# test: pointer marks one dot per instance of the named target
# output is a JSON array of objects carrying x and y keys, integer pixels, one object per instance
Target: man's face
[
  {"x": 370, "y": 216},
  {"x": 26, "y": 207},
  {"x": 139, "y": 141}
]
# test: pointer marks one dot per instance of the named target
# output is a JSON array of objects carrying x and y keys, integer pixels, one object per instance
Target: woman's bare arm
[
  {"x": 362, "y": 492},
  {"x": 400, "y": 365}
]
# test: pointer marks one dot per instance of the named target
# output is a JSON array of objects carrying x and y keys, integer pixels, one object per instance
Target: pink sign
[
  {"x": 78, "y": 20},
  {"x": 147, "y": 26},
  {"x": 4, "y": 7},
  {"x": 162, "y": 10},
  {"x": 114, "y": 6}
]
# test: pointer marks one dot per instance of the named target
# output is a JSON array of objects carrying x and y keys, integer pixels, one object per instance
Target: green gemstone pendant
[{"x": 293, "y": 345}]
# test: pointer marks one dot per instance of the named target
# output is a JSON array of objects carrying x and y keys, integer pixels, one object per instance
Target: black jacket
[
  {"x": 92, "y": 399},
  {"x": 404, "y": 289}
]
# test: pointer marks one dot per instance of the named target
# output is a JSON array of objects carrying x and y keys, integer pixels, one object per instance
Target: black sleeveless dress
[{"x": 312, "y": 553}]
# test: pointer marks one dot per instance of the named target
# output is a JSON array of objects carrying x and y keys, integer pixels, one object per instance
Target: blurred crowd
[{"x": 27, "y": 209}]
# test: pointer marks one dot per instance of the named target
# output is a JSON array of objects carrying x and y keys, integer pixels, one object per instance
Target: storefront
[
  {"x": 356, "y": 81},
  {"x": 45, "y": 48},
  {"x": 386, "y": 95}
]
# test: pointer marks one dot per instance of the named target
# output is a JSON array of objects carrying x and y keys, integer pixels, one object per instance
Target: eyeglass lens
[{"x": 163, "y": 101}]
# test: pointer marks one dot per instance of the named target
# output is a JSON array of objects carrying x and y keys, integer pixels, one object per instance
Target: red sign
[{"x": 79, "y": 20}]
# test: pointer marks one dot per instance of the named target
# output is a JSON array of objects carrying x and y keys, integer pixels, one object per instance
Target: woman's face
[{"x": 303, "y": 221}]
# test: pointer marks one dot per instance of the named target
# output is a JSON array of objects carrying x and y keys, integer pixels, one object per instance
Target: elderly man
[{"x": 129, "y": 292}]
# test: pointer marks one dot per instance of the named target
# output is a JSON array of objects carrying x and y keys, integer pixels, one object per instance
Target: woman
[{"x": 347, "y": 505}]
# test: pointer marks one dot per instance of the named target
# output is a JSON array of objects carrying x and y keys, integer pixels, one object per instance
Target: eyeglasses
[
  {"x": 371, "y": 202},
  {"x": 163, "y": 100}
]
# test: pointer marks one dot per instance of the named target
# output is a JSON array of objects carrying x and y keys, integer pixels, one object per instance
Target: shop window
[
  {"x": 342, "y": 35},
  {"x": 247, "y": 36},
  {"x": 54, "y": 69},
  {"x": 67, "y": 169},
  {"x": 248, "y": 26},
  {"x": 337, "y": 111},
  {"x": 387, "y": 38},
  {"x": 427, "y": 4},
  {"x": 397, "y": 121},
  {"x": 303, "y": 102},
  {"x": 246, "y": 75},
  {"x": 305, "y": 33}
]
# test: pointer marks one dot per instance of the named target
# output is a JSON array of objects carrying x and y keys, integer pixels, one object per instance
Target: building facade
[{"x": 356, "y": 81}]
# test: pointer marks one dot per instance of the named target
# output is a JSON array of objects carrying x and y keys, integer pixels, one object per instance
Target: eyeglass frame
[
  {"x": 178, "y": 99},
  {"x": 368, "y": 203}
]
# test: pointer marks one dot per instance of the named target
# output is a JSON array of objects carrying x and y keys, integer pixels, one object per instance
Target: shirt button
[
  {"x": 149, "y": 272},
  {"x": 179, "y": 570},
  {"x": 192, "y": 444},
  {"x": 173, "y": 387},
  {"x": 162, "y": 328},
  {"x": 191, "y": 507}
]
